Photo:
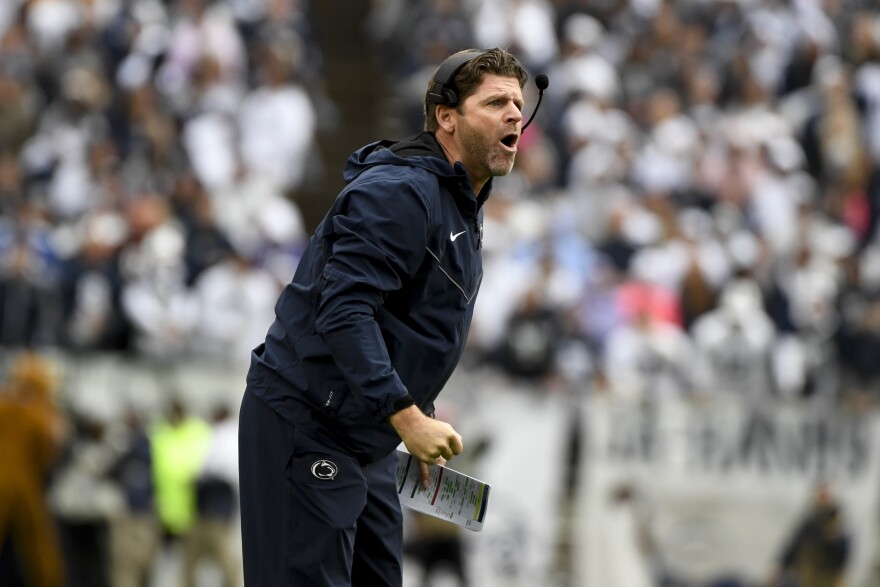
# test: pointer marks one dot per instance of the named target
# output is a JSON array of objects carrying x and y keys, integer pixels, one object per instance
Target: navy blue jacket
[{"x": 381, "y": 302}]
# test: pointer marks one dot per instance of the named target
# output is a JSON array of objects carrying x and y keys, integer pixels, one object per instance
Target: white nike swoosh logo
[{"x": 452, "y": 237}]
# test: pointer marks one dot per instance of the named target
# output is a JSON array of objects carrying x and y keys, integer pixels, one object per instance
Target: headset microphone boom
[{"x": 542, "y": 82}]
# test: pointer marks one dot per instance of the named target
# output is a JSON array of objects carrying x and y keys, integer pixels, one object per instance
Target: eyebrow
[{"x": 502, "y": 95}]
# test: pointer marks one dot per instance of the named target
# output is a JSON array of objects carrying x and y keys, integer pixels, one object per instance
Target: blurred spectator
[
  {"x": 201, "y": 31},
  {"x": 648, "y": 358},
  {"x": 540, "y": 345},
  {"x": 533, "y": 333},
  {"x": 11, "y": 184},
  {"x": 832, "y": 138},
  {"x": 29, "y": 263},
  {"x": 858, "y": 339},
  {"x": 734, "y": 344},
  {"x": 583, "y": 72},
  {"x": 524, "y": 27},
  {"x": 810, "y": 283},
  {"x": 91, "y": 285},
  {"x": 236, "y": 300},
  {"x": 31, "y": 431},
  {"x": 86, "y": 498},
  {"x": 19, "y": 104},
  {"x": 134, "y": 532},
  {"x": 261, "y": 223},
  {"x": 155, "y": 297},
  {"x": 206, "y": 242},
  {"x": 414, "y": 34},
  {"x": 28, "y": 302},
  {"x": 59, "y": 148},
  {"x": 178, "y": 443},
  {"x": 211, "y": 536},
  {"x": 277, "y": 120},
  {"x": 817, "y": 550}
]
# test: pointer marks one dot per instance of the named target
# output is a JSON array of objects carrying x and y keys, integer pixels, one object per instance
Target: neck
[{"x": 453, "y": 153}]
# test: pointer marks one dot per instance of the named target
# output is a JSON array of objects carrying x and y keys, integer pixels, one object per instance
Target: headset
[{"x": 443, "y": 92}]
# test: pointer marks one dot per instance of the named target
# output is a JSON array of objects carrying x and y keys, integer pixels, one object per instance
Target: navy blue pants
[{"x": 312, "y": 515}]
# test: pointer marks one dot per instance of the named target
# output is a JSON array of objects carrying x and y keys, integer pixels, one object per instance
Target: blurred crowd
[
  {"x": 693, "y": 214},
  {"x": 150, "y": 155},
  {"x": 694, "y": 211}
]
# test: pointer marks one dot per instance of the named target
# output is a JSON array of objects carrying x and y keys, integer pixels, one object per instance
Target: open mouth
[{"x": 509, "y": 141}]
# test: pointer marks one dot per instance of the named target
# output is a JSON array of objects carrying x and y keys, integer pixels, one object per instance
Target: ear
[{"x": 446, "y": 117}]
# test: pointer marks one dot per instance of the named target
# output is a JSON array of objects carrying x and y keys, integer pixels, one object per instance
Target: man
[{"x": 366, "y": 335}]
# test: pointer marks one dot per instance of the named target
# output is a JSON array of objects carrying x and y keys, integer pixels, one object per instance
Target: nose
[{"x": 513, "y": 114}]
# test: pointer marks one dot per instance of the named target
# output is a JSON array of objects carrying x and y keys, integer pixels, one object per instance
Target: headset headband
[{"x": 442, "y": 90}]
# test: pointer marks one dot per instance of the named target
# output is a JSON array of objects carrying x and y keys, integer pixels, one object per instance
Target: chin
[{"x": 501, "y": 168}]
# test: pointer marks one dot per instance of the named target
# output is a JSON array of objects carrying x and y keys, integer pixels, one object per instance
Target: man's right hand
[{"x": 425, "y": 438}]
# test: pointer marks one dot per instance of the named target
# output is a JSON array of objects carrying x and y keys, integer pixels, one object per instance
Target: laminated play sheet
[{"x": 450, "y": 495}]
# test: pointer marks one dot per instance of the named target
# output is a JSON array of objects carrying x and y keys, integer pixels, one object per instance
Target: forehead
[{"x": 497, "y": 85}]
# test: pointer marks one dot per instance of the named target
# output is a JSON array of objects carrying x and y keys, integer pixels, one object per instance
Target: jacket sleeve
[{"x": 379, "y": 236}]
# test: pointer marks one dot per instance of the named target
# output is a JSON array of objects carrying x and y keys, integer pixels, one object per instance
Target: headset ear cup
[{"x": 441, "y": 92}]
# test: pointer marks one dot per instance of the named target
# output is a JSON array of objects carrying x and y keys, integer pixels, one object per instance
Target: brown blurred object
[
  {"x": 30, "y": 434},
  {"x": 436, "y": 544}
]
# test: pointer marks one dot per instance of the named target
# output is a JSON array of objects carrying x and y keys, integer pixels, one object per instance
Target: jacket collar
[{"x": 421, "y": 150}]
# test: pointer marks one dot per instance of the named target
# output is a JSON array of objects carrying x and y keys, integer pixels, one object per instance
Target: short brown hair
[{"x": 470, "y": 76}]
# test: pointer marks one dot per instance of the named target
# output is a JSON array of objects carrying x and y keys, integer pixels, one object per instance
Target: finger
[
  {"x": 441, "y": 461},
  {"x": 424, "y": 474},
  {"x": 456, "y": 444}
]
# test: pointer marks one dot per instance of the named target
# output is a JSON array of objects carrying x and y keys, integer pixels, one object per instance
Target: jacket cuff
[{"x": 395, "y": 406}]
